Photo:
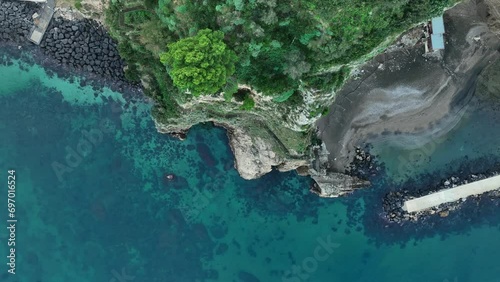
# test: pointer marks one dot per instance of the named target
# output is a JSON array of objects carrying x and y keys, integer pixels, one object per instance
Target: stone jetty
[{"x": 452, "y": 194}]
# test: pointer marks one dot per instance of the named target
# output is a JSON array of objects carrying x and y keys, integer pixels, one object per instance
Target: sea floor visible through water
[{"x": 93, "y": 203}]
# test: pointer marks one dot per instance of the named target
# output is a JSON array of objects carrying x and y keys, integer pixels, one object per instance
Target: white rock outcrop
[{"x": 254, "y": 157}]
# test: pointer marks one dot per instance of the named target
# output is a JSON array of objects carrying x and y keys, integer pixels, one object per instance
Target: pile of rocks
[
  {"x": 364, "y": 164},
  {"x": 83, "y": 44},
  {"x": 16, "y": 20},
  {"x": 329, "y": 183},
  {"x": 393, "y": 201}
]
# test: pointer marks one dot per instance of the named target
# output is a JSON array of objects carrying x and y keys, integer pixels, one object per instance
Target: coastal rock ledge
[
  {"x": 255, "y": 158},
  {"x": 330, "y": 183},
  {"x": 333, "y": 184}
]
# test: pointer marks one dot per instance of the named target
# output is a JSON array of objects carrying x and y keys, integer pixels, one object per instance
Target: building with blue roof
[
  {"x": 437, "y": 34},
  {"x": 437, "y": 41}
]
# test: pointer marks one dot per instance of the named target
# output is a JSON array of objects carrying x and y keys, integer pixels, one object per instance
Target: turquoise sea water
[{"x": 93, "y": 203}]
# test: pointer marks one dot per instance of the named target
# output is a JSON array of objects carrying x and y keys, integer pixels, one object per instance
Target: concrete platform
[
  {"x": 452, "y": 195},
  {"x": 38, "y": 30}
]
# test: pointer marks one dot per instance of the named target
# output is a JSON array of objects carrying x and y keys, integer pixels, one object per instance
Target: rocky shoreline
[
  {"x": 82, "y": 47},
  {"x": 393, "y": 201},
  {"x": 83, "y": 44},
  {"x": 16, "y": 20},
  {"x": 79, "y": 47},
  {"x": 330, "y": 183}
]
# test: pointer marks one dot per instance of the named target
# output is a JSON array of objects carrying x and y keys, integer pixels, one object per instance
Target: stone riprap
[
  {"x": 80, "y": 44},
  {"x": 83, "y": 44},
  {"x": 16, "y": 20}
]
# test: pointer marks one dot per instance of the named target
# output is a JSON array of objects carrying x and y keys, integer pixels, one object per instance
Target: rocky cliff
[
  {"x": 328, "y": 182},
  {"x": 254, "y": 157}
]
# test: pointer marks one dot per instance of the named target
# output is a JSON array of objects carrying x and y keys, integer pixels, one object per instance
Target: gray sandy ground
[{"x": 404, "y": 98}]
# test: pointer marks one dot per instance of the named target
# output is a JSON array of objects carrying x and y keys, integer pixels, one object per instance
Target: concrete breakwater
[
  {"x": 394, "y": 202},
  {"x": 453, "y": 194},
  {"x": 81, "y": 45}
]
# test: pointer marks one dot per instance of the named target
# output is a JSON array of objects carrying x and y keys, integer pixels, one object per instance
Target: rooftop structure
[
  {"x": 437, "y": 41},
  {"x": 437, "y": 33},
  {"x": 437, "y": 25}
]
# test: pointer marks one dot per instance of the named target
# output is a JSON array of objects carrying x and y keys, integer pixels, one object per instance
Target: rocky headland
[{"x": 75, "y": 44}]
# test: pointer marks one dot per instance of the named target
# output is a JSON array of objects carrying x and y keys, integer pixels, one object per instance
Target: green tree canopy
[{"x": 201, "y": 63}]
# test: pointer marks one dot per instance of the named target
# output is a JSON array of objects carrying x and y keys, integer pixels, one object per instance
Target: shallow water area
[
  {"x": 474, "y": 137},
  {"x": 94, "y": 204}
]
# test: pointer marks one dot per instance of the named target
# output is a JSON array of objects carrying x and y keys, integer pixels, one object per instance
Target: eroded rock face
[
  {"x": 329, "y": 183},
  {"x": 332, "y": 184},
  {"x": 254, "y": 157}
]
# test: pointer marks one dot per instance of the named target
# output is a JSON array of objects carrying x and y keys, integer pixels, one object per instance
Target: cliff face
[
  {"x": 254, "y": 157},
  {"x": 328, "y": 182},
  {"x": 333, "y": 184},
  {"x": 271, "y": 135}
]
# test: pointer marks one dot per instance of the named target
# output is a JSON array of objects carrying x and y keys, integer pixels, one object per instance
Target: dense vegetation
[
  {"x": 280, "y": 45},
  {"x": 200, "y": 64}
]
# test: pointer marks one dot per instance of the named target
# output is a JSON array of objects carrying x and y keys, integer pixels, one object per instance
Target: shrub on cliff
[{"x": 201, "y": 63}]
